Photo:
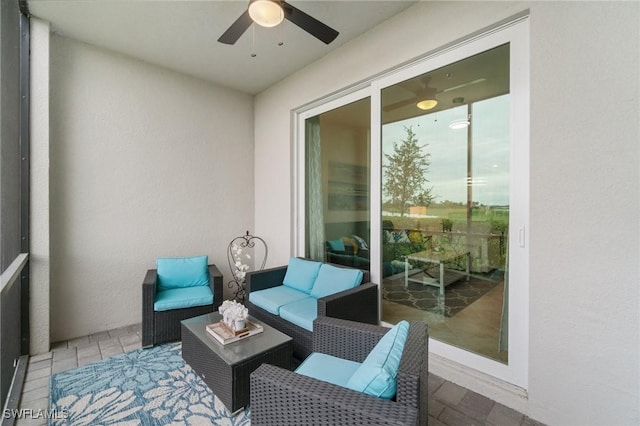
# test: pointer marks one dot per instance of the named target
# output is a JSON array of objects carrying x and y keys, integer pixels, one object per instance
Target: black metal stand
[{"x": 246, "y": 241}]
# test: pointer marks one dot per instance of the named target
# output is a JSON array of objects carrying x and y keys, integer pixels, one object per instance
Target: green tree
[{"x": 405, "y": 175}]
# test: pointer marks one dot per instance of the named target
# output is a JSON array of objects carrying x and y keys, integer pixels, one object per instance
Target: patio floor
[{"x": 449, "y": 404}]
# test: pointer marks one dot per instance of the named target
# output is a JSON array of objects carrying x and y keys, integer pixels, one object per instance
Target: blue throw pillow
[
  {"x": 336, "y": 245},
  {"x": 377, "y": 375},
  {"x": 396, "y": 237},
  {"x": 179, "y": 272},
  {"x": 332, "y": 279},
  {"x": 301, "y": 274},
  {"x": 361, "y": 242}
]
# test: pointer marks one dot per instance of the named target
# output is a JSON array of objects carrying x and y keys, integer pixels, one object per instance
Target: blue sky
[{"x": 448, "y": 148}]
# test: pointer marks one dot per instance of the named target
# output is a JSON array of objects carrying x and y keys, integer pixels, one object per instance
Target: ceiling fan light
[
  {"x": 267, "y": 13},
  {"x": 427, "y": 104},
  {"x": 459, "y": 124}
]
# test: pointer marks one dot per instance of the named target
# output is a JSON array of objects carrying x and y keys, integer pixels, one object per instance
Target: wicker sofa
[
  {"x": 348, "y": 257},
  {"x": 357, "y": 304},
  {"x": 280, "y": 397}
]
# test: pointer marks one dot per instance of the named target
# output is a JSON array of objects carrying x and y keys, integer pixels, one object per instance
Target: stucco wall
[
  {"x": 40, "y": 249},
  {"x": 145, "y": 163},
  {"x": 584, "y": 157},
  {"x": 585, "y": 190}
]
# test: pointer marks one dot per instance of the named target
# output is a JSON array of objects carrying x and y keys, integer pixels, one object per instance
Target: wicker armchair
[
  {"x": 281, "y": 397},
  {"x": 164, "y": 326}
]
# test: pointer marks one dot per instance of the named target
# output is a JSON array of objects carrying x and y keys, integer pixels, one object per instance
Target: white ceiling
[{"x": 182, "y": 35}]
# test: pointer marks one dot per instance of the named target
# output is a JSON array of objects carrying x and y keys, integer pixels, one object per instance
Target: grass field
[{"x": 483, "y": 220}]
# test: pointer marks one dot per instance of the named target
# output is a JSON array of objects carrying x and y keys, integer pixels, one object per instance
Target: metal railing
[
  {"x": 12, "y": 361},
  {"x": 12, "y": 273}
]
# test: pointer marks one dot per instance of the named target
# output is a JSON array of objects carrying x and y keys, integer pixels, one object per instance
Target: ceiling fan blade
[
  {"x": 425, "y": 93},
  {"x": 400, "y": 104},
  {"x": 460, "y": 86},
  {"x": 321, "y": 31},
  {"x": 236, "y": 29}
]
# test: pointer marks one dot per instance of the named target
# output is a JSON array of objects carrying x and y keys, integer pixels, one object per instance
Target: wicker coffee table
[{"x": 226, "y": 368}]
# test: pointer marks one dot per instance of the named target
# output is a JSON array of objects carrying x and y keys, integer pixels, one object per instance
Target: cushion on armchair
[
  {"x": 181, "y": 298},
  {"x": 301, "y": 274},
  {"x": 328, "y": 368},
  {"x": 377, "y": 374},
  {"x": 181, "y": 272},
  {"x": 332, "y": 279}
]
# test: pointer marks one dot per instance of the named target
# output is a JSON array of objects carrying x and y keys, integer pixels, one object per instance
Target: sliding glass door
[
  {"x": 445, "y": 201},
  {"x": 421, "y": 176}
]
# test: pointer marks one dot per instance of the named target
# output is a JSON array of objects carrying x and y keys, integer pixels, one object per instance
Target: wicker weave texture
[
  {"x": 148, "y": 297},
  {"x": 230, "y": 383},
  {"x": 414, "y": 369},
  {"x": 280, "y": 397},
  {"x": 341, "y": 339},
  {"x": 164, "y": 326},
  {"x": 357, "y": 304},
  {"x": 284, "y": 398}
]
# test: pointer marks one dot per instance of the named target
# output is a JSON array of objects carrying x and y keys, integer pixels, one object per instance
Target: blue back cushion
[
  {"x": 180, "y": 272},
  {"x": 301, "y": 274},
  {"x": 336, "y": 245},
  {"x": 377, "y": 374},
  {"x": 332, "y": 279}
]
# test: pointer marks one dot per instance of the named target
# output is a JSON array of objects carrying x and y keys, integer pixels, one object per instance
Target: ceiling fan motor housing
[{"x": 267, "y": 13}]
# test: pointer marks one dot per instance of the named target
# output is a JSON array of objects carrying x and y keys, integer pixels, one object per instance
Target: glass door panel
[
  {"x": 445, "y": 201},
  {"x": 337, "y": 185}
]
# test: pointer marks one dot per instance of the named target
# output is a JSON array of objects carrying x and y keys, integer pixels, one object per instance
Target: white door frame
[{"x": 516, "y": 33}]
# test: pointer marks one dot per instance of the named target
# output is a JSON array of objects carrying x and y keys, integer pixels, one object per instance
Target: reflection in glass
[
  {"x": 337, "y": 175},
  {"x": 445, "y": 202}
]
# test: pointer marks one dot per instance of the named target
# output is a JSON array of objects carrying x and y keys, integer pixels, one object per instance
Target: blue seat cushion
[
  {"x": 181, "y": 272},
  {"x": 301, "y": 312},
  {"x": 179, "y": 298},
  {"x": 332, "y": 279},
  {"x": 301, "y": 274},
  {"x": 271, "y": 299},
  {"x": 328, "y": 368},
  {"x": 378, "y": 373}
]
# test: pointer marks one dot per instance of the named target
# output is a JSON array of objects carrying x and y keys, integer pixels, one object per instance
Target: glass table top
[{"x": 236, "y": 352}]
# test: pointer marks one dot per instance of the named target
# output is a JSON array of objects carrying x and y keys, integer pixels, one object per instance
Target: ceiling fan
[
  {"x": 425, "y": 96},
  {"x": 270, "y": 13}
]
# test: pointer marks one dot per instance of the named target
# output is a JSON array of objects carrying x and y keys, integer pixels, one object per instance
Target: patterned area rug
[
  {"x": 143, "y": 387},
  {"x": 457, "y": 296}
]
